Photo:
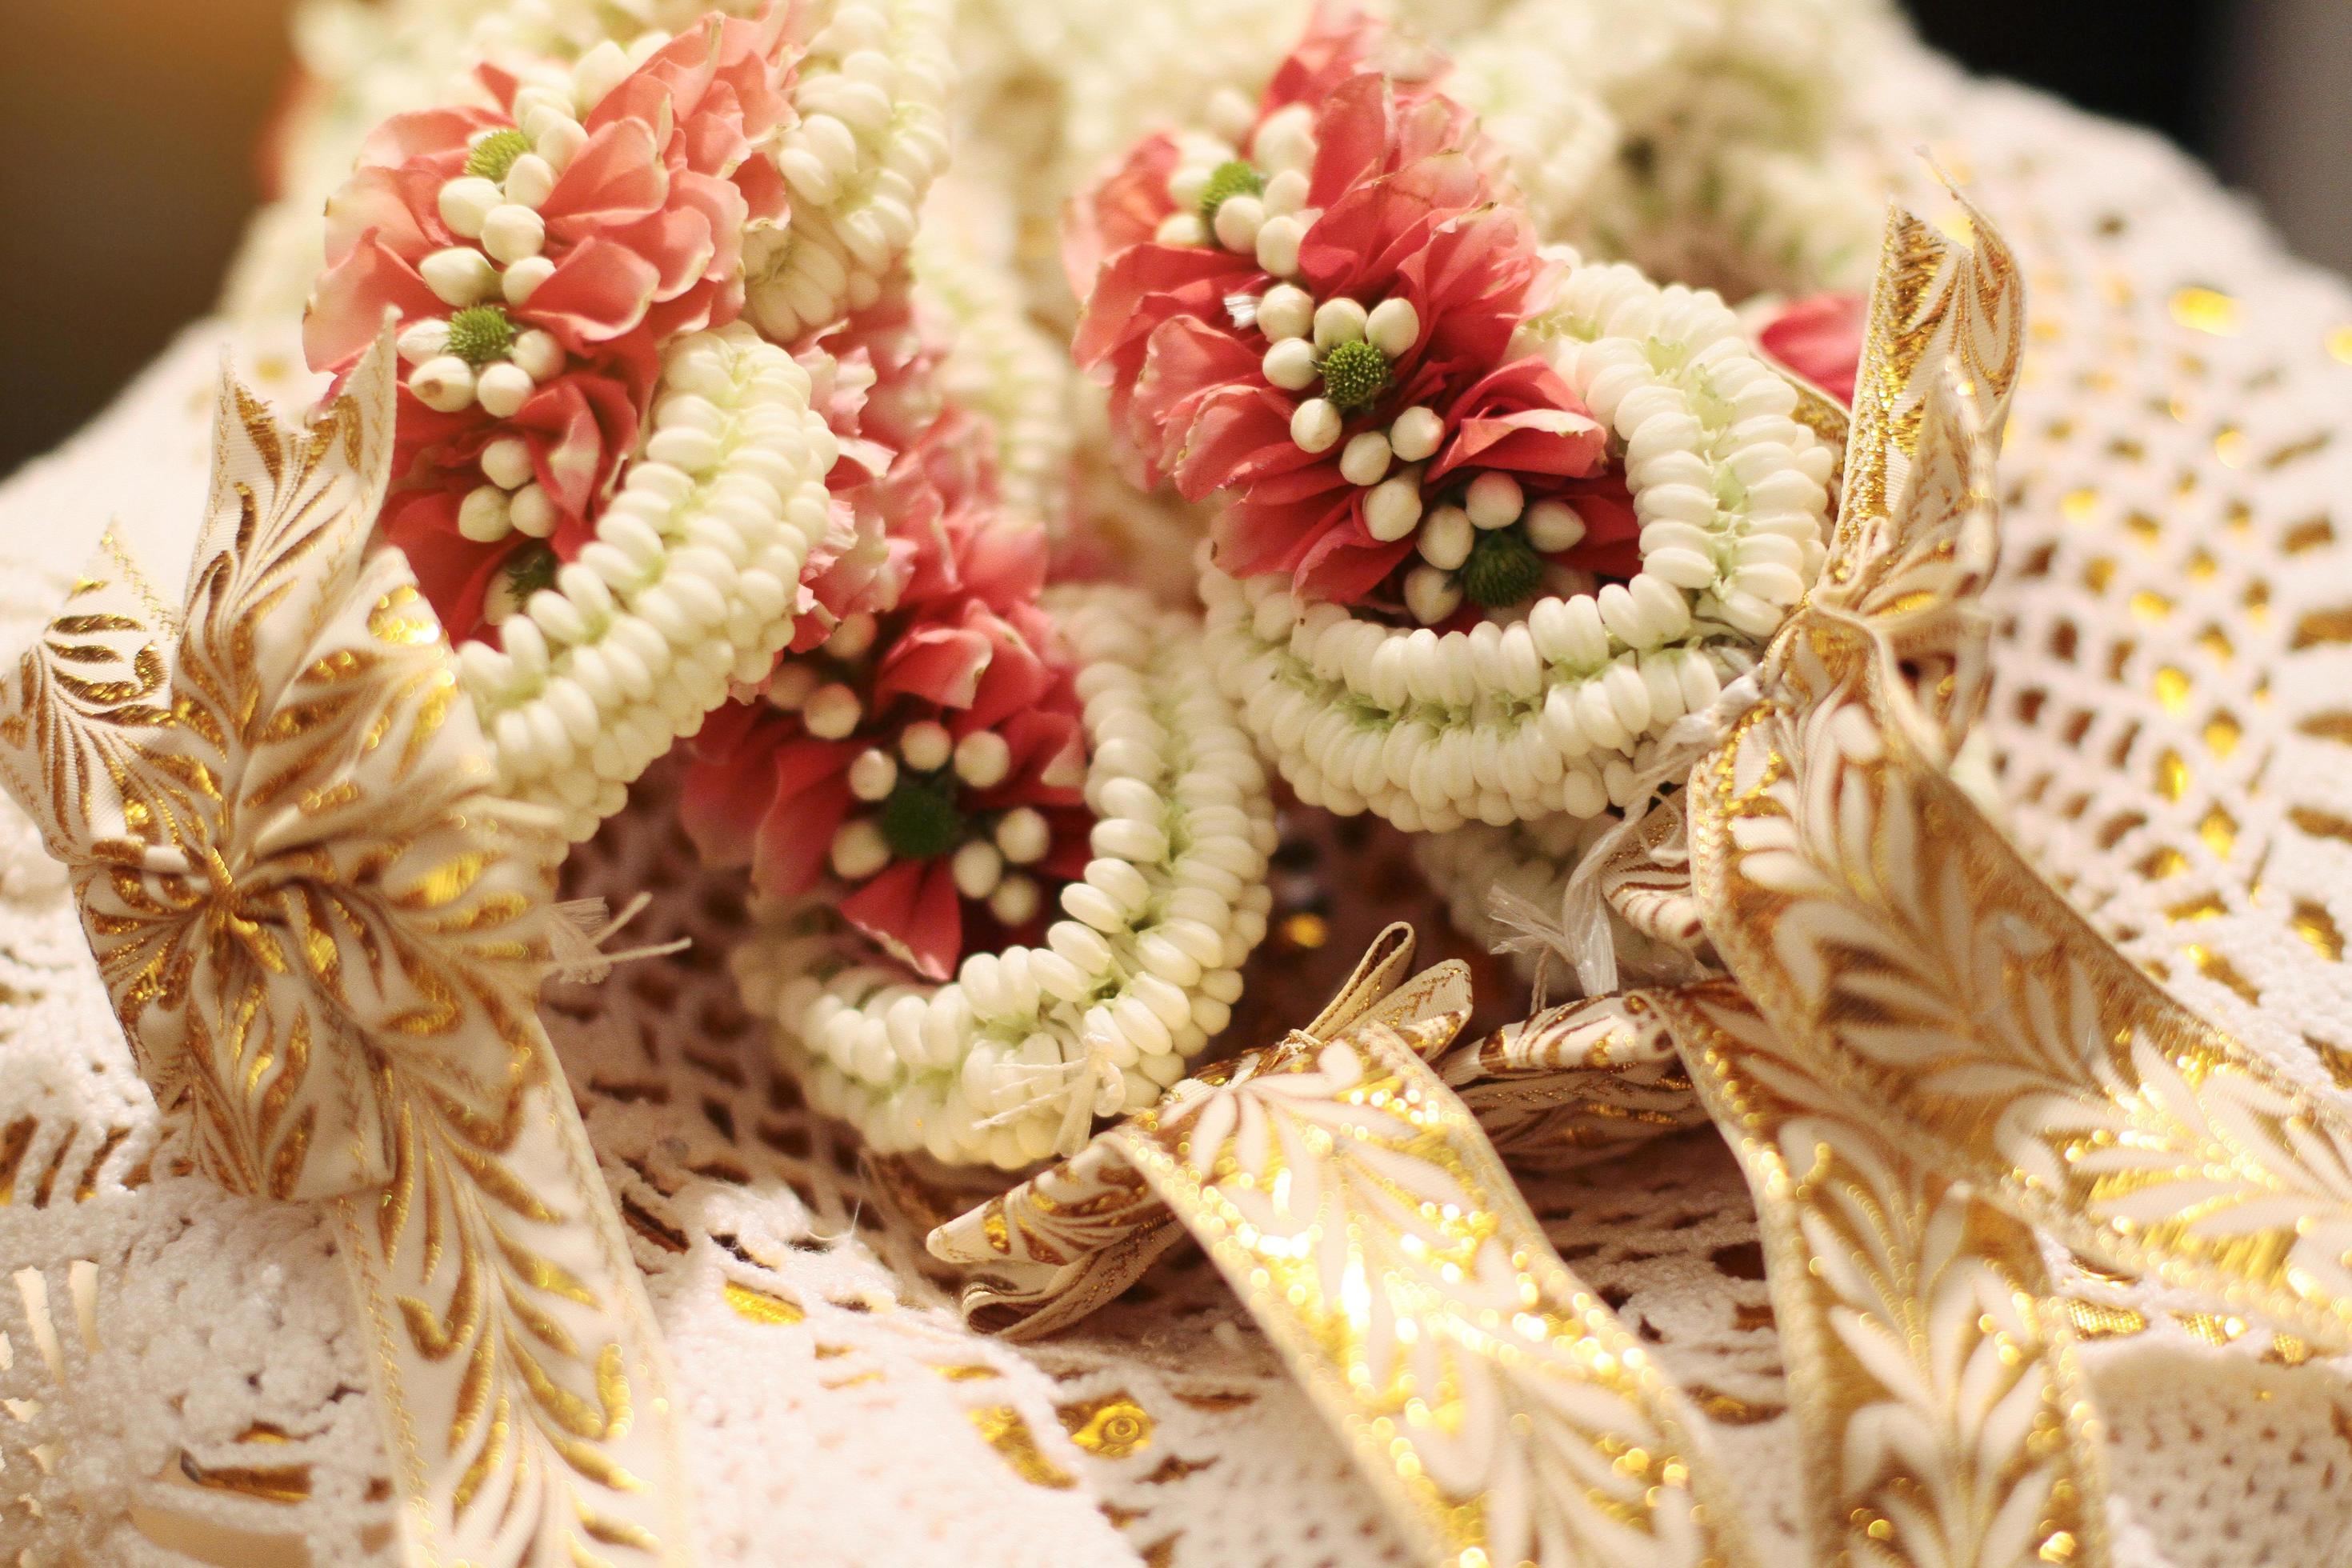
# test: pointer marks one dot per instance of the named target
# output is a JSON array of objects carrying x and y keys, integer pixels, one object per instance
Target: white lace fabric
[{"x": 181, "y": 1381}]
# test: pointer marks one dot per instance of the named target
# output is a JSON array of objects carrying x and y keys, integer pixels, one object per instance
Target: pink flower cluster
[
  {"x": 538, "y": 255},
  {"x": 920, "y": 750},
  {"x": 1314, "y": 313}
]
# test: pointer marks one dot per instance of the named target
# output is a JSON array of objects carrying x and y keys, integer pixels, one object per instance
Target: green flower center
[
  {"x": 481, "y": 334},
  {"x": 1353, "y": 374},
  {"x": 496, "y": 154},
  {"x": 530, "y": 569},
  {"x": 1229, "y": 179},
  {"x": 1503, "y": 569},
  {"x": 920, "y": 821}
]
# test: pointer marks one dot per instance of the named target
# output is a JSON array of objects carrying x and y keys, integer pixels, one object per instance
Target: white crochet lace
[{"x": 2171, "y": 733}]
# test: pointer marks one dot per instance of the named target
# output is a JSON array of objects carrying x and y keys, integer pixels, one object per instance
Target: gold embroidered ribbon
[
  {"x": 1501, "y": 1408},
  {"x": 1924, "y": 1061},
  {"x": 324, "y": 934}
]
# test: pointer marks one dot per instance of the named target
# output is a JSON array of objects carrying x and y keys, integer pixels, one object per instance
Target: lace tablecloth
[{"x": 2171, "y": 737}]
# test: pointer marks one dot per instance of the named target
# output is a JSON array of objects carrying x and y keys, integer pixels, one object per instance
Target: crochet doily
[{"x": 180, "y": 1378}]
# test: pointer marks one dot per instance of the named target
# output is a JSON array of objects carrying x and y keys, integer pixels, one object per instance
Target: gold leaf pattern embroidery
[{"x": 324, "y": 935}]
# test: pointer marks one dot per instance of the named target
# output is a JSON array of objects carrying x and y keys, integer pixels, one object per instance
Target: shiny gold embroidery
[
  {"x": 324, "y": 935},
  {"x": 1352, "y": 1204},
  {"x": 1942, "y": 1415}
]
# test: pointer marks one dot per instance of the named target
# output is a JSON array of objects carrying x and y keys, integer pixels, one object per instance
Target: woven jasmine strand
[
  {"x": 691, "y": 584},
  {"x": 998, "y": 1065},
  {"x": 1560, "y": 139},
  {"x": 1499, "y": 724},
  {"x": 1513, "y": 721},
  {"x": 1731, "y": 491},
  {"x": 1001, "y": 365},
  {"x": 872, "y": 95}
]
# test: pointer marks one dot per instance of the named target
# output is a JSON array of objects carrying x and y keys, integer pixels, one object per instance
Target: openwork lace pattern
[{"x": 181, "y": 1380}]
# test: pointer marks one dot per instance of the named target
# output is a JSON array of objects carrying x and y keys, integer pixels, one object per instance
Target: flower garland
[
  {"x": 613, "y": 486},
  {"x": 1011, "y": 1060},
  {"x": 1001, "y": 838},
  {"x": 1492, "y": 516},
  {"x": 870, "y": 136}
]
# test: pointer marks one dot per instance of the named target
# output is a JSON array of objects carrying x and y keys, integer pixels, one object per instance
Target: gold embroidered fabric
[
  {"x": 1356, "y": 1209},
  {"x": 324, "y": 934}
]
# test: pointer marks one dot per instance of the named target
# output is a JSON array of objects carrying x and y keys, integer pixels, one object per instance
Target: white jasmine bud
[
  {"x": 831, "y": 712},
  {"x": 1237, "y": 223},
  {"x": 1024, "y": 834},
  {"x": 1336, "y": 322},
  {"x": 530, "y": 181},
  {"x": 1231, "y": 113},
  {"x": 425, "y": 340},
  {"x": 503, "y": 389},
  {"x": 859, "y": 850},
  {"x": 1393, "y": 327},
  {"x": 1285, "y": 310},
  {"x": 482, "y": 515},
  {"x": 1432, "y": 594},
  {"x": 1183, "y": 227},
  {"x": 1278, "y": 238},
  {"x": 1315, "y": 425},
  {"x": 1188, "y": 185},
  {"x": 1365, "y": 459},
  {"x": 874, "y": 774},
  {"x": 538, "y": 353},
  {"x": 789, "y": 687},
  {"x": 459, "y": 276},
  {"x": 1287, "y": 140},
  {"x": 1446, "y": 536},
  {"x": 598, "y": 72},
  {"x": 1494, "y": 500},
  {"x": 978, "y": 868},
  {"x": 466, "y": 202},
  {"x": 852, "y": 636},
  {"x": 926, "y": 745},
  {"x": 514, "y": 232},
  {"x": 1015, "y": 902},
  {"x": 521, "y": 281},
  {"x": 1415, "y": 433},
  {"x": 1393, "y": 508},
  {"x": 1553, "y": 526},
  {"x": 1290, "y": 364},
  {"x": 1285, "y": 193},
  {"x": 445, "y": 384},
  {"x": 560, "y": 142},
  {"x": 983, "y": 761},
  {"x": 507, "y": 462},
  {"x": 533, "y": 511}
]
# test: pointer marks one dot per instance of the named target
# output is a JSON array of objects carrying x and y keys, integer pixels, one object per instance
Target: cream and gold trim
[{"x": 324, "y": 934}]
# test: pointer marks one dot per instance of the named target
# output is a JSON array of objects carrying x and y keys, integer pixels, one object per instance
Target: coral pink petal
[
  {"x": 347, "y": 309},
  {"x": 1241, "y": 434},
  {"x": 597, "y": 294},
  {"x": 577, "y": 427},
  {"x": 1126, "y": 208},
  {"x": 1820, "y": 338},
  {"x": 1343, "y": 568},
  {"x": 912, "y": 910},
  {"x": 1114, "y": 312},
  {"x": 1351, "y": 136},
  {"x": 1551, "y": 441},
  {"x": 428, "y": 133},
  {"x": 452, "y": 572},
  {"x": 810, "y": 798},
  {"x": 373, "y": 200},
  {"x": 614, "y": 180},
  {"x": 937, "y": 664}
]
